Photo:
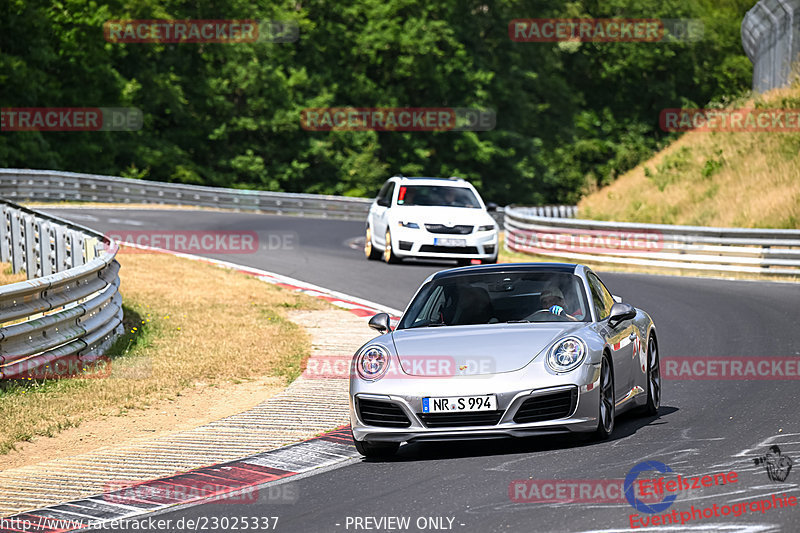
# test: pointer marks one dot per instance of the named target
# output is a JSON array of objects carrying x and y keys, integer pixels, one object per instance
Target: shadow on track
[{"x": 627, "y": 425}]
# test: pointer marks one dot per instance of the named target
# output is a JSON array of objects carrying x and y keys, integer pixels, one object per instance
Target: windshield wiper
[{"x": 432, "y": 325}]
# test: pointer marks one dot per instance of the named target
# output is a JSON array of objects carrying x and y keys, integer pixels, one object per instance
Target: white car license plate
[
  {"x": 449, "y": 242},
  {"x": 460, "y": 404}
]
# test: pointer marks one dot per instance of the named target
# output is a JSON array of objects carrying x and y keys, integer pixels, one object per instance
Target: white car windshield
[
  {"x": 498, "y": 298},
  {"x": 437, "y": 195}
]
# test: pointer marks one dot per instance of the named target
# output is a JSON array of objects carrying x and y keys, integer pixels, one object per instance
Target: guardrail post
[
  {"x": 29, "y": 237},
  {"x": 5, "y": 236},
  {"x": 46, "y": 255},
  {"x": 16, "y": 243},
  {"x": 61, "y": 249}
]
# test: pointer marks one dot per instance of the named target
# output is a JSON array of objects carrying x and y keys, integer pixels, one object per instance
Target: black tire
[
  {"x": 369, "y": 248},
  {"x": 607, "y": 410},
  {"x": 388, "y": 252},
  {"x": 653, "y": 379},
  {"x": 376, "y": 449}
]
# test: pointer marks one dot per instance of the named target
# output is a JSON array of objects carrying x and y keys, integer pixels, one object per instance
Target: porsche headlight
[
  {"x": 372, "y": 362},
  {"x": 567, "y": 354}
]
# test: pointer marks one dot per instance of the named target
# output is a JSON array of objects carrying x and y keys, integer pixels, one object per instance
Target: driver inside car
[{"x": 552, "y": 299}]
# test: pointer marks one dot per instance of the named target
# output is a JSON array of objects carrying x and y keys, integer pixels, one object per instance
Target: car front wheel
[
  {"x": 369, "y": 248},
  {"x": 388, "y": 252},
  {"x": 653, "y": 379},
  {"x": 606, "y": 412}
]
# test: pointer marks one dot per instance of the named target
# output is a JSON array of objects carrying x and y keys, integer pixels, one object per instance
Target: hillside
[{"x": 725, "y": 179}]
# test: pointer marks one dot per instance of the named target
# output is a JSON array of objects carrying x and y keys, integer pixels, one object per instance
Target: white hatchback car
[{"x": 437, "y": 218}]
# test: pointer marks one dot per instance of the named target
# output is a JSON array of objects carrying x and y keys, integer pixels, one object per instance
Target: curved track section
[{"x": 703, "y": 426}]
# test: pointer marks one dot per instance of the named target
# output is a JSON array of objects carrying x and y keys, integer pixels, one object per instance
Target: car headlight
[
  {"x": 487, "y": 227},
  {"x": 410, "y": 225},
  {"x": 567, "y": 354},
  {"x": 372, "y": 362}
]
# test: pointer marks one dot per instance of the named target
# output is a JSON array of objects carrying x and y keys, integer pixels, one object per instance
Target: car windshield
[
  {"x": 496, "y": 298},
  {"x": 437, "y": 195}
]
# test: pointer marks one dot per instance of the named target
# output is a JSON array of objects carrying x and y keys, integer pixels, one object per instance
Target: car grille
[
  {"x": 442, "y": 420},
  {"x": 448, "y": 249},
  {"x": 383, "y": 414},
  {"x": 452, "y": 230},
  {"x": 547, "y": 406}
]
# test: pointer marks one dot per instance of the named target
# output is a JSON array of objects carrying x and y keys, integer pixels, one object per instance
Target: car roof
[
  {"x": 567, "y": 268},
  {"x": 431, "y": 181}
]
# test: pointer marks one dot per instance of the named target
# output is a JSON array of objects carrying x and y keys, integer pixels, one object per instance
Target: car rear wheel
[
  {"x": 653, "y": 379},
  {"x": 369, "y": 248},
  {"x": 606, "y": 413},
  {"x": 388, "y": 253},
  {"x": 376, "y": 449}
]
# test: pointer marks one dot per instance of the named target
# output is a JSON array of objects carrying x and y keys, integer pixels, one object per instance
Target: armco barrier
[
  {"x": 771, "y": 39},
  {"x": 56, "y": 186},
  {"x": 762, "y": 251},
  {"x": 70, "y": 306}
]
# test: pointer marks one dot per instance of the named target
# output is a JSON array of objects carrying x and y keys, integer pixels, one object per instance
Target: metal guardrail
[
  {"x": 771, "y": 39},
  {"x": 69, "y": 307},
  {"x": 55, "y": 186},
  {"x": 762, "y": 251}
]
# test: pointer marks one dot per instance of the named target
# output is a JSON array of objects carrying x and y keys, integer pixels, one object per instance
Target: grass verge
[
  {"x": 187, "y": 324},
  {"x": 741, "y": 179}
]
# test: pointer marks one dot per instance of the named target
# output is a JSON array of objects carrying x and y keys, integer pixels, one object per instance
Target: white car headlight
[
  {"x": 567, "y": 354},
  {"x": 410, "y": 225},
  {"x": 487, "y": 227},
  {"x": 372, "y": 362}
]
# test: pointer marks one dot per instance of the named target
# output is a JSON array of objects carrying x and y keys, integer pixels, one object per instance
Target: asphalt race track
[{"x": 703, "y": 426}]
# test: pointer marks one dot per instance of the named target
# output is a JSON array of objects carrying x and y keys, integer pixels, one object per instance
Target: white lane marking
[
  {"x": 126, "y": 221},
  {"x": 90, "y": 218}
]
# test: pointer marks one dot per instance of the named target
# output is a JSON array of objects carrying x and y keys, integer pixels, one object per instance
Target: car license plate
[
  {"x": 460, "y": 404},
  {"x": 449, "y": 242}
]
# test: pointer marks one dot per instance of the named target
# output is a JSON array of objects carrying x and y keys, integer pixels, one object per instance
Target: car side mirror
[
  {"x": 380, "y": 322},
  {"x": 620, "y": 312},
  {"x": 491, "y": 206}
]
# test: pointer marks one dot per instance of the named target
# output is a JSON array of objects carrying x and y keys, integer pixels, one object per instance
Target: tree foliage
[{"x": 569, "y": 115}]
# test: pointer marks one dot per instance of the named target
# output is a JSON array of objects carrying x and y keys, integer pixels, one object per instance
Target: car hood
[
  {"x": 442, "y": 215},
  {"x": 474, "y": 350}
]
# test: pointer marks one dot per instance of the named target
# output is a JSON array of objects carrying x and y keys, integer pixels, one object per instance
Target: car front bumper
[
  {"x": 422, "y": 243},
  {"x": 407, "y": 395}
]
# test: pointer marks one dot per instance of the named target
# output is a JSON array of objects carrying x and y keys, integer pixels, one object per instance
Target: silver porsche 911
[{"x": 503, "y": 350}]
